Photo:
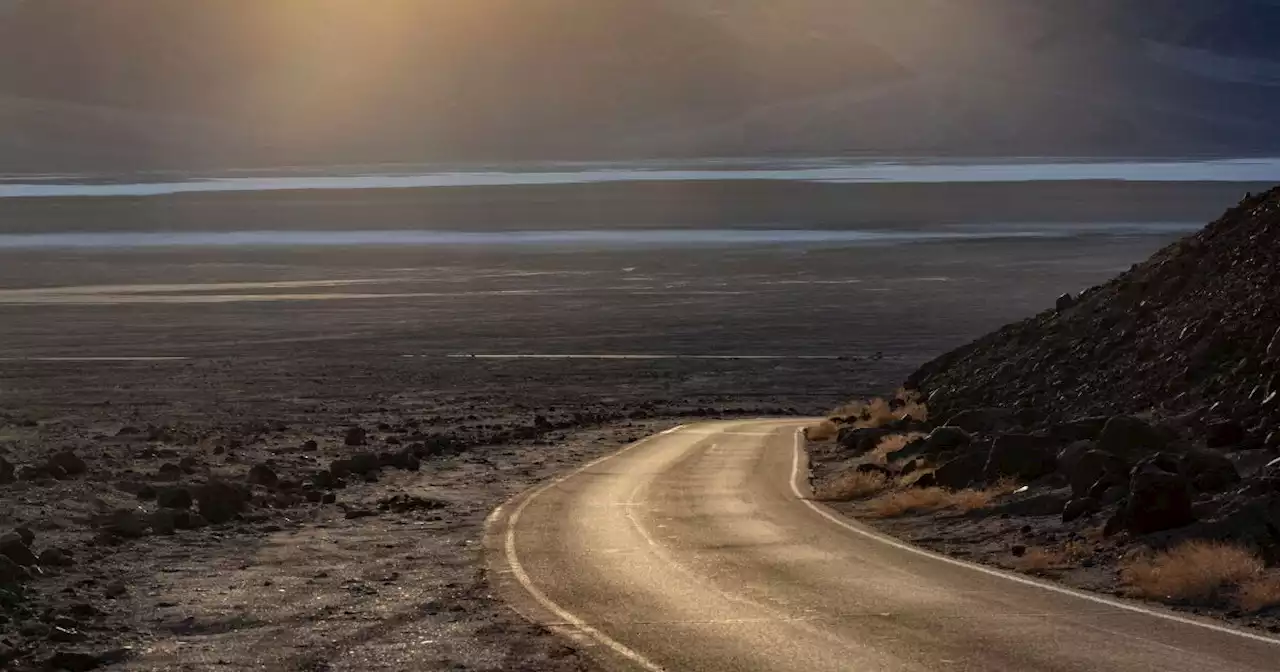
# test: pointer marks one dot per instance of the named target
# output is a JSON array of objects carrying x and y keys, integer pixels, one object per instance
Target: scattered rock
[
  {"x": 189, "y": 465},
  {"x": 73, "y": 661},
  {"x": 946, "y": 438},
  {"x": 962, "y": 471},
  {"x": 404, "y": 503},
  {"x": 861, "y": 440},
  {"x": 13, "y": 547},
  {"x": 174, "y": 497},
  {"x": 356, "y": 436},
  {"x": 1080, "y": 507},
  {"x": 364, "y": 464},
  {"x": 1081, "y": 429},
  {"x": 219, "y": 502},
  {"x": 28, "y": 536},
  {"x": 1209, "y": 470},
  {"x": 261, "y": 474},
  {"x": 1125, "y": 435},
  {"x": 54, "y": 557},
  {"x": 1224, "y": 434},
  {"x": 169, "y": 472},
  {"x": 1064, "y": 302},
  {"x": 355, "y": 514},
  {"x": 1159, "y": 499},
  {"x": 69, "y": 462},
  {"x": 1021, "y": 456},
  {"x": 1094, "y": 466},
  {"x": 11, "y": 572},
  {"x": 977, "y": 420},
  {"x": 7, "y": 472},
  {"x": 1042, "y": 504},
  {"x": 124, "y": 523}
]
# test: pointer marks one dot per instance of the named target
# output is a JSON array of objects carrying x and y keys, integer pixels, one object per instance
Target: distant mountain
[{"x": 135, "y": 84}]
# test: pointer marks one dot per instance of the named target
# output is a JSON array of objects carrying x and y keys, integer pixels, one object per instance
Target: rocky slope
[{"x": 1139, "y": 416}]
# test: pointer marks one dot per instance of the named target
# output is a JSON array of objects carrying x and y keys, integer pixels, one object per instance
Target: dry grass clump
[
  {"x": 893, "y": 443},
  {"x": 1042, "y": 559},
  {"x": 851, "y": 485},
  {"x": 1260, "y": 593},
  {"x": 880, "y": 412},
  {"x": 926, "y": 500},
  {"x": 1195, "y": 571},
  {"x": 823, "y": 431}
]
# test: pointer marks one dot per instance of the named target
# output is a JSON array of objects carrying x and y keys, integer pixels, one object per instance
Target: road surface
[{"x": 695, "y": 550}]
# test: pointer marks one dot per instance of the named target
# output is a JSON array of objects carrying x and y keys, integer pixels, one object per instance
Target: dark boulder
[
  {"x": 1159, "y": 498},
  {"x": 1208, "y": 470},
  {"x": 1096, "y": 466},
  {"x": 7, "y": 470},
  {"x": 356, "y": 436},
  {"x": 1128, "y": 436},
  {"x": 1021, "y": 456},
  {"x": 1224, "y": 434},
  {"x": 11, "y": 573},
  {"x": 264, "y": 475},
  {"x": 1070, "y": 456},
  {"x": 919, "y": 479},
  {"x": 982, "y": 420},
  {"x": 962, "y": 471},
  {"x": 55, "y": 557},
  {"x": 1081, "y": 429},
  {"x": 364, "y": 463},
  {"x": 13, "y": 547},
  {"x": 174, "y": 497},
  {"x": 169, "y": 472},
  {"x": 861, "y": 440},
  {"x": 123, "y": 524},
  {"x": 70, "y": 463},
  {"x": 219, "y": 501},
  {"x": 1042, "y": 504},
  {"x": 1079, "y": 508},
  {"x": 1064, "y": 302},
  {"x": 945, "y": 439}
]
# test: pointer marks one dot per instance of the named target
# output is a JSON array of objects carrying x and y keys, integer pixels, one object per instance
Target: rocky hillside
[
  {"x": 1138, "y": 420},
  {"x": 1193, "y": 330}
]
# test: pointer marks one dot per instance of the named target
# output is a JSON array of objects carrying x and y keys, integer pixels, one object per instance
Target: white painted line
[
  {"x": 1097, "y": 599},
  {"x": 564, "y": 615}
]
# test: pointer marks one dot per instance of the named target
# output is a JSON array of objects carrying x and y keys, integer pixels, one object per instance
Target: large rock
[
  {"x": 364, "y": 463},
  {"x": 1224, "y": 434},
  {"x": 11, "y": 573},
  {"x": 1128, "y": 436},
  {"x": 962, "y": 471},
  {"x": 174, "y": 497},
  {"x": 861, "y": 440},
  {"x": 356, "y": 436},
  {"x": 124, "y": 523},
  {"x": 946, "y": 438},
  {"x": 14, "y": 547},
  {"x": 70, "y": 463},
  {"x": 1208, "y": 470},
  {"x": 1021, "y": 456},
  {"x": 6, "y": 472},
  {"x": 1159, "y": 499},
  {"x": 1094, "y": 466},
  {"x": 983, "y": 420},
  {"x": 1080, "y": 429},
  {"x": 1042, "y": 504},
  {"x": 264, "y": 475},
  {"x": 219, "y": 502}
]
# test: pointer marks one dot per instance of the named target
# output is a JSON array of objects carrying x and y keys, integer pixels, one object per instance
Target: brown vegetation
[
  {"x": 880, "y": 412},
  {"x": 936, "y": 499},
  {"x": 1260, "y": 593},
  {"x": 893, "y": 443},
  {"x": 851, "y": 485},
  {"x": 823, "y": 431},
  {"x": 1195, "y": 571}
]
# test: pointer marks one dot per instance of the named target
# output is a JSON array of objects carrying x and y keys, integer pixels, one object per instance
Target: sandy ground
[{"x": 262, "y": 351}]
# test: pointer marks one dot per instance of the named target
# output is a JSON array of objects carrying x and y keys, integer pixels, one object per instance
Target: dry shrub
[
  {"x": 1195, "y": 571},
  {"x": 893, "y": 443},
  {"x": 1260, "y": 593},
  {"x": 823, "y": 431},
  {"x": 936, "y": 499},
  {"x": 1041, "y": 559},
  {"x": 880, "y": 412},
  {"x": 851, "y": 485}
]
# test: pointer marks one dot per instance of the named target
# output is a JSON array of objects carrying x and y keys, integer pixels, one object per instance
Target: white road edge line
[
  {"x": 889, "y": 541},
  {"x": 563, "y": 614}
]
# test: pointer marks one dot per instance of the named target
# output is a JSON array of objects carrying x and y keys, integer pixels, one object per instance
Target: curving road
[{"x": 694, "y": 550}]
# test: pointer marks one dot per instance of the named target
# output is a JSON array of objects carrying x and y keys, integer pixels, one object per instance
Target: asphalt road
[{"x": 696, "y": 550}]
